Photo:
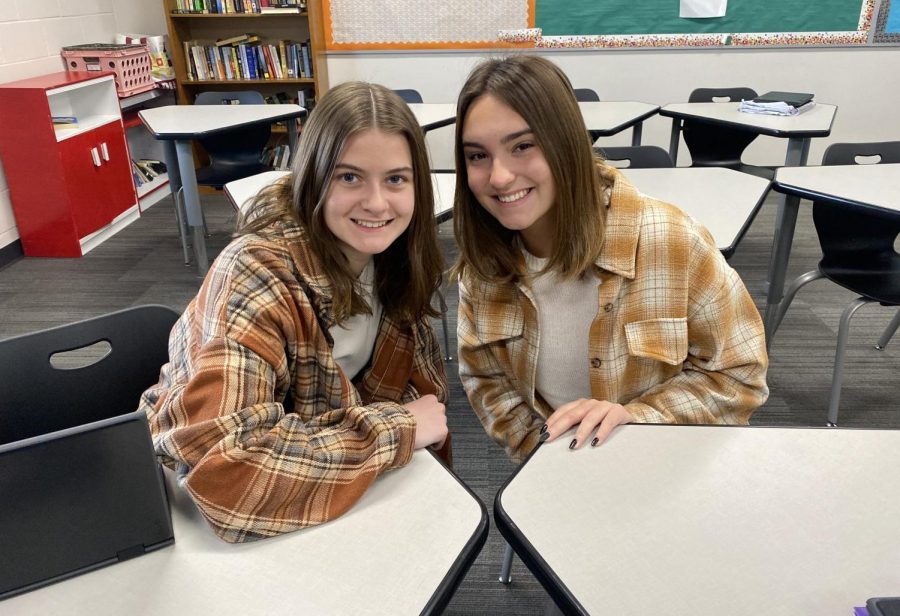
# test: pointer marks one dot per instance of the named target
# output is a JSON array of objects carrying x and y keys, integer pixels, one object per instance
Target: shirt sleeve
[
  {"x": 723, "y": 378},
  {"x": 254, "y": 470},
  {"x": 506, "y": 416}
]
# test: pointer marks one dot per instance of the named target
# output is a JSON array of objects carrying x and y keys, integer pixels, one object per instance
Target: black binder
[{"x": 794, "y": 99}]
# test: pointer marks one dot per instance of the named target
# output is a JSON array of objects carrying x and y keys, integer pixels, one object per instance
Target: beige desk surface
[
  {"x": 815, "y": 122},
  {"x": 688, "y": 520},
  {"x": 875, "y": 185},
  {"x": 610, "y": 117},
  {"x": 434, "y": 115},
  {"x": 387, "y": 555}
]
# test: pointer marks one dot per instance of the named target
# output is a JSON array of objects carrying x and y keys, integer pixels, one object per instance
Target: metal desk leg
[
  {"x": 636, "y": 135},
  {"x": 293, "y": 139},
  {"x": 797, "y": 152},
  {"x": 192, "y": 202},
  {"x": 673, "y": 140},
  {"x": 174, "y": 174},
  {"x": 785, "y": 223}
]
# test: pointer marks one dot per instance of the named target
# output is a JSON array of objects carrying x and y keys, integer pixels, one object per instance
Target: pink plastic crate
[{"x": 130, "y": 63}]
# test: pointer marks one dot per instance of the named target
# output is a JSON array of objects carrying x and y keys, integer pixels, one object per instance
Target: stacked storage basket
[{"x": 130, "y": 63}]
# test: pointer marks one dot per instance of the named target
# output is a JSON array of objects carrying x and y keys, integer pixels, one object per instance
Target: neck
[{"x": 537, "y": 242}]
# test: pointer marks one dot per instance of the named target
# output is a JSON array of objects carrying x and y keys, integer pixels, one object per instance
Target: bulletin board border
[{"x": 881, "y": 35}]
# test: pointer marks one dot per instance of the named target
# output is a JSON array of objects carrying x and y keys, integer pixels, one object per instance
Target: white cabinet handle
[
  {"x": 105, "y": 151},
  {"x": 96, "y": 156}
]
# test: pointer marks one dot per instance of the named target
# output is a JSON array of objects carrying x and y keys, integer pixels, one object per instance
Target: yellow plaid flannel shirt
[
  {"x": 257, "y": 330},
  {"x": 676, "y": 339}
]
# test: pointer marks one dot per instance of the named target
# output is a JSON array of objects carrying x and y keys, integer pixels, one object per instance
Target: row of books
[
  {"x": 146, "y": 170},
  {"x": 247, "y": 59},
  {"x": 239, "y": 6},
  {"x": 277, "y": 157}
]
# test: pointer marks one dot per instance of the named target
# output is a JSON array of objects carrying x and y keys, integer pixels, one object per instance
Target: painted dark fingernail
[
  {"x": 595, "y": 441},
  {"x": 543, "y": 428},
  {"x": 544, "y": 437},
  {"x": 573, "y": 443}
]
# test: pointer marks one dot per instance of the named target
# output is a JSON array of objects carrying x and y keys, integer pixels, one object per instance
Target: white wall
[
  {"x": 32, "y": 33},
  {"x": 864, "y": 83}
]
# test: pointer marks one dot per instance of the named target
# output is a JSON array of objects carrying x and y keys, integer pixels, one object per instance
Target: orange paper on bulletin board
[{"x": 412, "y": 24}]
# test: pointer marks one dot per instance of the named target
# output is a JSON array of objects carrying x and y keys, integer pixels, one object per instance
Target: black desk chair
[
  {"x": 636, "y": 156},
  {"x": 719, "y": 146},
  {"x": 587, "y": 95},
  {"x": 61, "y": 377},
  {"x": 409, "y": 95},
  {"x": 857, "y": 254}
]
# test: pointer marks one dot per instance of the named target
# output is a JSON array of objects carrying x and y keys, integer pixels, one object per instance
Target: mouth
[
  {"x": 371, "y": 224},
  {"x": 513, "y": 198}
]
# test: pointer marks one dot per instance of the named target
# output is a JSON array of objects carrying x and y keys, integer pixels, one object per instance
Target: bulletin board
[{"x": 473, "y": 24}]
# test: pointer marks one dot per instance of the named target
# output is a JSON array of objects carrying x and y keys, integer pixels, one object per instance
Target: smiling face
[
  {"x": 371, "y": 198},
  {"x": 508, "y": 173}
]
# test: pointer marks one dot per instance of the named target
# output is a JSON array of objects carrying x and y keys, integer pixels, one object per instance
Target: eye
[
  {"x": 347, "y": 177},
  {"x": 397, "y": 180},
  {"x": 523, "y": 147},
  {"x": 474, "y": 157}
]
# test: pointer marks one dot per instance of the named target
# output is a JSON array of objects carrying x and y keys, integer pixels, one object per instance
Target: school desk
[
  {"x": 607, "y": 118},
  {"x": 434, "y": 115},
  {"x": 685, "y": 520},
  {"x": 867, "y": 186},
  {"x": 402, "y": 549},
  {"x": 798, "y": 129},
  {"x": 725, "y": 201},
  {"x": 178, "y": 125}
]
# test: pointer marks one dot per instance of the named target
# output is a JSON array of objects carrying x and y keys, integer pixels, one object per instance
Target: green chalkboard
[{"x": 604, "y": 17}]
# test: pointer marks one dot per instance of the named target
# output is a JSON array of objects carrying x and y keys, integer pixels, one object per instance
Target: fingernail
[
  {"x": 573, "y": 443},
  {"x": 595, "y": 441},
  {"x": 544, "y": 437},
  {"x": 543, "y": 428}
]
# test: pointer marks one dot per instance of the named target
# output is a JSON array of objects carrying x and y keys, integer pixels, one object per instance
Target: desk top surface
[
  {"x": 611, "y": 117},
  {"x": 686, "y": 520},
  {"x": 813, "y": 123},
  {"x": 388, "y": 555},
  {"x": 723, "y": 200},
  {"x": 874, "y": 185},
  {"x": 196, "y": 121},
  {"x": 434, "y": 115}
]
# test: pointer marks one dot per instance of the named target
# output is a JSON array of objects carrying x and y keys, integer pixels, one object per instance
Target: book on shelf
[
  {"x": 216, "y": 6},
  {"x": 247, "y": 59},
  {"x": 62, "y": 121},
  {"x": 234, "y": 40}
]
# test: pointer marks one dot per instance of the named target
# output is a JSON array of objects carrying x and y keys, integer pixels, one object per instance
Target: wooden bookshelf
[{"x": 270, "y": 27}]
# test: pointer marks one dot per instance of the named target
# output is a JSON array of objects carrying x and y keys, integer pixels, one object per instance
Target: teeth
[
  {"x": 371, "y": 224},
  {"x": 513, "y": 197}
]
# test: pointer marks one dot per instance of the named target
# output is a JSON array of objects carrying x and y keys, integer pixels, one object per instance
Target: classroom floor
[{"x": 143, "y": 264}]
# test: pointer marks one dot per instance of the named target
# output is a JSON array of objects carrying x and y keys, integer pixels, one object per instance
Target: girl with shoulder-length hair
[
  {"x": 306, "y": 366},
  {"x": 583, "y": 302}
]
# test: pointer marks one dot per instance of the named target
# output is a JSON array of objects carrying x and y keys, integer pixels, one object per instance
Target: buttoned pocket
[{"x": 664, "y": 340}]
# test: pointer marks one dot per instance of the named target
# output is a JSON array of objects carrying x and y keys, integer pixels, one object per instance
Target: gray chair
[
  {"x": 720, "y": 146},
  {"x": 636, "y": 156},
  {"x": 409, "y": 95},
  {"x": 587, "y": 95},
  {"x": 857, "y": 253}
]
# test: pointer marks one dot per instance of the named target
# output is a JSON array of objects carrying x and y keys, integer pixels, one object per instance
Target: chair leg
[
  {"x": 789, "y": 294},
  {"x": 506, "y": 567},
  {"x": 839, "y": 355},
  {"x": 889, "y": 332},
  {"x": 443, "y": 304}
]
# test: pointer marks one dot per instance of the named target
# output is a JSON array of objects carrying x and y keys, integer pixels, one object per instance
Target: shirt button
[
  {"x": 595, "y": 362},
  {"x": 607, "y": 307}
]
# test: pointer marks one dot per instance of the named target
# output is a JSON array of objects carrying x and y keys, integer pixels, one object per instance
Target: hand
[
  {"x": 431, "y": 420},
  {"x": 597, "y": 417}
]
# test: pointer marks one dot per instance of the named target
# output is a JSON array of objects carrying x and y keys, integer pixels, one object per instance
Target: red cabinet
[{"x": 68, "y": 182}]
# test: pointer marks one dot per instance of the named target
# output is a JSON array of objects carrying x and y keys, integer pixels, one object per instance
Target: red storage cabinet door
[
  {"x": 117, "y": 178},
  {"x": 87, "y": 187}
]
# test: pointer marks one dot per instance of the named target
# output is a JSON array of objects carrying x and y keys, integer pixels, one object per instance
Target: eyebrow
[
  {"x": 361, "y": 170},
  {"x": 503, "y": 140}
]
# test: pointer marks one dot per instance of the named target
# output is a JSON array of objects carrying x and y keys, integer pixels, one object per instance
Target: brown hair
[
  {"x": 540, "y": 92},
  {"x": 406, "y": 274}
]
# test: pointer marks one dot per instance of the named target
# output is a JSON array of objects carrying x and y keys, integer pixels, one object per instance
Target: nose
[
  {"x": 376, "y": 201},
  {"x": 501, "y": 175}
]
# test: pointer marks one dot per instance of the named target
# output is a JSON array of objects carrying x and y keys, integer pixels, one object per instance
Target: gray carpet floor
[{"x": 142, "y": 264}]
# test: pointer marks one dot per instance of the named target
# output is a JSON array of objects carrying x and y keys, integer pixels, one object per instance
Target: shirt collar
[{"x": 623, "y": 224}]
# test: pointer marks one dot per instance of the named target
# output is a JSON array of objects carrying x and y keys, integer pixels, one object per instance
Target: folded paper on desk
[{"x": 779, "y": 103}]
